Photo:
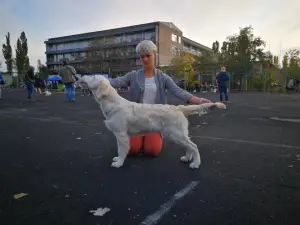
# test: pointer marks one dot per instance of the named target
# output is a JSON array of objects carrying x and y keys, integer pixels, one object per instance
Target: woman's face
[{"x": 148, "y": 60}]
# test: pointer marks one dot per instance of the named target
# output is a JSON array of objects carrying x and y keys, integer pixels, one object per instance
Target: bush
[{"x": 256, "y": 82}]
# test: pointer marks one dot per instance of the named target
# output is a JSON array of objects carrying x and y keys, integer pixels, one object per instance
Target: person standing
[
  {"x": 222, "y": 79},
  {"x": 67, "y": 74},
  {"x": 2, "y": 82},
  {"x": 38, "y": 83},
  {"x": 29, "y": 81},
  {"x": 148, "y": 85}
]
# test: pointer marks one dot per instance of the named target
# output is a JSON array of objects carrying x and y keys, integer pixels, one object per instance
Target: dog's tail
[{"x": 199, "y": 109}]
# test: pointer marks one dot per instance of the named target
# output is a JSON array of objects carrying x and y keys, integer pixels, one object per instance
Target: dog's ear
[{"x": 102, "y": 89}]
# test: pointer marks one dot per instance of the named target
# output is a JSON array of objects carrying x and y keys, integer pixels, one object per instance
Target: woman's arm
[
  {"x": 123, "y": 81},
  {"x": 183, "y": 94}
]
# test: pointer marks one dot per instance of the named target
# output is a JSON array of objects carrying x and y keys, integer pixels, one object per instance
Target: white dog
[
  {"x": 47, "y": 93},
  {"x": 125, "y": 118}
]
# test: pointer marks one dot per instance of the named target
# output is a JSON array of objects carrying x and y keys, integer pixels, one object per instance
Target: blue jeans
[
  {"x": 30, "y": 88},
  {"x": 223, "y": 89},
  {"x": 70, "y": 89}
]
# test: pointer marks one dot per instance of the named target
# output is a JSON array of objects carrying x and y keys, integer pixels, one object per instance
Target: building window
[
  {"x": 149, "y": 36},
  {"x": 175, "y": 50},
  {"x": 179, "y": 40},
  {"x": 174, "y": 37},
  {"x": 139, "y": 36}
]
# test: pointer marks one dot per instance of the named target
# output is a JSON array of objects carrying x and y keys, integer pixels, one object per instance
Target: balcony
[
  {"x": 51, "y": 61},
  {"x": 129, "y": 55},
  {"x": 107, "y": 45},
  {"x": 191, "y": 51}
]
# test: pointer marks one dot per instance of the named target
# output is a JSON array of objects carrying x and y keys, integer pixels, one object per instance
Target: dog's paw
[
  {"x": 117, "y": 164},
  {"x": 115, "y": 159},
  {"x": 220, "y": 105},
  {"x": 194, "y": 166},
  {"x": 185, "y": 159}
]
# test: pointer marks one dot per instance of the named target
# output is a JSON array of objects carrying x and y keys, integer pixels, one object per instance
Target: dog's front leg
[{"x": 123, "y": 149}]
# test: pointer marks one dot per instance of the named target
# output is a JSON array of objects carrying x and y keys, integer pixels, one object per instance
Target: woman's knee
[
  {"x": 135, "y": 144},
  {"x": 153, "y": 144}
]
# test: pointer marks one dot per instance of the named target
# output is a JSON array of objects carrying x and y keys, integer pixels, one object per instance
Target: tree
[
  {"x": 7, "y": 53},
  {"x": 206, "y": 61},
  {"x": 291, "y": 63},
  {"x": 285, "y": 62},
  {"x": 42, "y": 70},
  {"x": 22, "y": 60},
  {"x": 239, "y": 51},
  {"x": 215, "y": 47},
  {"x": 26, "y": 63},
  {"x": 276, "y": 61},
  {"x": 183, "y": 66}
]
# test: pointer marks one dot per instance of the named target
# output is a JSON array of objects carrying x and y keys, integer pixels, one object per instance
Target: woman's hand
[{"x": 198, "y": 101}]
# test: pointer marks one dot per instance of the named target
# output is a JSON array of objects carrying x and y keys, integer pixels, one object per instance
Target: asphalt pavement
[{"x": 59, "y": 154}]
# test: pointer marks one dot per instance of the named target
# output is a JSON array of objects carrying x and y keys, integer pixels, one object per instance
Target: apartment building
[{"x": 115, "y": 45}]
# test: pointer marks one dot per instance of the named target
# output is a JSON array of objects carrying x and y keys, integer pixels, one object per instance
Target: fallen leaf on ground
[
  {"x": 100, "y": 211},
  {"x": 21, "y": 195}
]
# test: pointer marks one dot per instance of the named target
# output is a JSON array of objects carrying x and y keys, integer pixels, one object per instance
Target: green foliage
[
  {"x": 291, "y": 63},
  {"x": 285, "y": 62},
  {"x": 237, "y": 53},
  {"x": 256, "y": 82},
  {"x": 26, "y": 63},
  {"x": 276, "y": 61},
  {"x": 7, "y": 53},
  {"x": 206, "y": 61},
  {"x": 241, "y": 50},
  {"x": 42, "y": 70},
  {"x": 22, "y": 60},
  {"x": 261, "y": 83},
  {"x": 215, "y": 47},
  {"x": 183, "y": 65}
]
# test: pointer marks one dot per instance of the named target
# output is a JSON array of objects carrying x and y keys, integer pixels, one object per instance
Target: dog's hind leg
[
  {"x": 123, "y": 149},
  {"x": 192, "y": 149},
  {"x": 192, "y": 152},
  {"x": 196, "y": 155}
]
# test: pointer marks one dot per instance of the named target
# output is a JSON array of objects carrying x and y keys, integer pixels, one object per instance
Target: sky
[{"x": 276, "y": 21}]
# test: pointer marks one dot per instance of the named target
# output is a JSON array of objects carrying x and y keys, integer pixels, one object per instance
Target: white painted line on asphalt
[
  {"x": 165, "y": 208},
  {"x": 286, "y": 120},
  {"x": 248, "y": 142}
]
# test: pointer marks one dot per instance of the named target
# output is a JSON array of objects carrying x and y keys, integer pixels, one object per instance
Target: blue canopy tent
[{"x": 54, "y": 78}]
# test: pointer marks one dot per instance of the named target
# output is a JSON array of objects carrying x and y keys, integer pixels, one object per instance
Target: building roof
[
  {"x": 171, "y": 25},
  {"x": 193, "y": 43},
  {"x": 90, "y": 35}
]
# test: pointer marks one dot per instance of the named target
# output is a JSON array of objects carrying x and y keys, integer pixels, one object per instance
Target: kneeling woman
[{"x": 148, "y": 85}]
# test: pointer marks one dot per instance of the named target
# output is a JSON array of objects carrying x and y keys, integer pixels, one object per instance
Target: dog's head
[{"x": 98, "y": 84}]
